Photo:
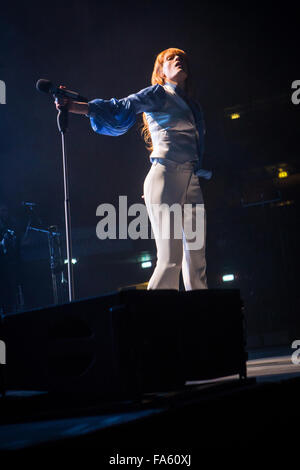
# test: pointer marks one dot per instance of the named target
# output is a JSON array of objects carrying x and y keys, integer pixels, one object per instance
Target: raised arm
[{"x": 114, "y": 117}]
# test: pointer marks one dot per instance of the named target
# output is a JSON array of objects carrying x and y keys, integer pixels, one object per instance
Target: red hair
[{"x": 159, "y": 78}]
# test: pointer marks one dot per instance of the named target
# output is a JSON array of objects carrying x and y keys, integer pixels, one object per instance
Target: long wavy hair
[{"x": 158, "y": 77}]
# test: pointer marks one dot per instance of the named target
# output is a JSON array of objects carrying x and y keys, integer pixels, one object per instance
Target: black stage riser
[{"x": 127, "y": 342}]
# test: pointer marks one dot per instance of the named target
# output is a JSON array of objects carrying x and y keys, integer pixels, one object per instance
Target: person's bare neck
[{"x": 179, "y": 83}]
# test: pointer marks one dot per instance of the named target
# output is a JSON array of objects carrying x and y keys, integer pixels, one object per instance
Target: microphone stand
[
  {"x": 62, "y": 123},
  {"x": 56, "y": 262}
]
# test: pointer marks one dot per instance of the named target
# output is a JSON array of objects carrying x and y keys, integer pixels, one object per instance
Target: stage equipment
[
  {"x": 46, "y": 86},
  {"x": 54, "y": 245},
  {"x": 127, "y": 343}
]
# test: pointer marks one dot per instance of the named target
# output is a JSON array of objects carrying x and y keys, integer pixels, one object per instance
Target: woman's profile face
[{"x": 175, "y": 67}]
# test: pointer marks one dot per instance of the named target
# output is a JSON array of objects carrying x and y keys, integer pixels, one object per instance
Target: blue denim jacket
[{"x": 175, "y": 122}]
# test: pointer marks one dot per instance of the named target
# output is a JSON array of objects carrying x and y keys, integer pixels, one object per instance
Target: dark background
[{"x": 243, "y": 57}]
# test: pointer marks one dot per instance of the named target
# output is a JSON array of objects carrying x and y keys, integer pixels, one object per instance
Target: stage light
[
  {"x": 146, "y": 264},
  {"x": 145, "y": 257},
  {"x": 235, "y": 116},
  {"x": 228, "y": 277},
  {"x": 284, "y": 203},
  {"x": 282, "y": 173},
  {"x": 74, "y": 261}
]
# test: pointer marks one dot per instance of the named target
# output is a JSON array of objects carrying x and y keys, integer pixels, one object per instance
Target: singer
[{"x": 174, "y": 133}]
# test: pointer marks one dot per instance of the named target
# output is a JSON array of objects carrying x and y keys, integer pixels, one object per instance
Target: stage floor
[
  {"x": 257, "y": 401},
  {"x": 266, "y": 365}
]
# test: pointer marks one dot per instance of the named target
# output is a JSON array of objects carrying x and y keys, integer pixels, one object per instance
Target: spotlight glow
[
  {"x": 74, "y": 261},
  {"x": 282, "y": 173},
  {"x": 228, "y": 277},
  {"x": 146, "y": 264}
]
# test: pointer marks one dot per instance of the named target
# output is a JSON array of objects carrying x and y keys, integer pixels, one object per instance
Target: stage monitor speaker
[
  {"x": 213, "y": 334},
  {"x": 126, "y": 343}
]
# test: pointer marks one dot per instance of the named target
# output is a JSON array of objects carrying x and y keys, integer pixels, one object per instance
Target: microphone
[{"x": 45, "y": 86}]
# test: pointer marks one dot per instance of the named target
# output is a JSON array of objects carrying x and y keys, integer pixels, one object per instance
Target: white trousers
[{"x": 170, "y": 183}]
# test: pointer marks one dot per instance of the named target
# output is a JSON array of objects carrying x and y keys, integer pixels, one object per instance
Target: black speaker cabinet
[
  {"x": 126, "y": 343},
  {"x": 213, "y": 334}
]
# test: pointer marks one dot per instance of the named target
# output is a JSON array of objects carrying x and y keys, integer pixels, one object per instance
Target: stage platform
[{"x": 224, "y": 413}]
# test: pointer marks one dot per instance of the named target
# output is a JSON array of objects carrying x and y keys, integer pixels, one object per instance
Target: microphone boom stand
[{"x": 62, "y": 123}]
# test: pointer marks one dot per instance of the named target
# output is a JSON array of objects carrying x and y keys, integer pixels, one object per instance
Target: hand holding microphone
[
  {"x": 64, "y": 99},
  {"x": 62, "y": 102}
]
